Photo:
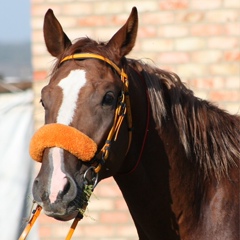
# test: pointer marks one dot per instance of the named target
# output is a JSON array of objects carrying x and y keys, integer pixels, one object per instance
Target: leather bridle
[{"x": 123, "y": 108}]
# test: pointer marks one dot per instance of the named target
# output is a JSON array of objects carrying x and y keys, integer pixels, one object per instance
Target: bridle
[{"x": 122, "y": 108}]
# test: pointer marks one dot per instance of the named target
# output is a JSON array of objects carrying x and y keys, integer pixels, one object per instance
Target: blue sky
[{"x": 15, "y": 21}]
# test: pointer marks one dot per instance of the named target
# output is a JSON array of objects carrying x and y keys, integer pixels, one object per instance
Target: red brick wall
[{"x": 199, "y": 40}]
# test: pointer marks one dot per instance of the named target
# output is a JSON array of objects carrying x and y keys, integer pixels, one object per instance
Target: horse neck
[
  {"x": 165, "y": 194},
  {"x": 146, "y": 188},
  {"x": 199, "y": 203},
  {"x": 166, "y": 197}
]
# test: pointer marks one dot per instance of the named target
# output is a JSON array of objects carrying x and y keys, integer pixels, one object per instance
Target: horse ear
[
  {"x": 55, "y": 39},
  {"x": 124, "y": 39}
]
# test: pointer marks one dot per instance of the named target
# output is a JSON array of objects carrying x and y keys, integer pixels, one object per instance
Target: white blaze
[
  {"x": 58, "y": 180},
  {"x": 71, "y": 86}
]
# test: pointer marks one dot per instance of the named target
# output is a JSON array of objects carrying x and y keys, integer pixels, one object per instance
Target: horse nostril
[
  {"x": 66, "y": 188},
  {"x": 44, "y": 196},
  {"x": 36, "y": 181},
  {"x": 69, "y": 192},
  {"x": 39, "y": 194}
]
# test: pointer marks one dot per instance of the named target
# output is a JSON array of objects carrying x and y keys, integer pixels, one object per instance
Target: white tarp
[{"x": 16, "y": 166}]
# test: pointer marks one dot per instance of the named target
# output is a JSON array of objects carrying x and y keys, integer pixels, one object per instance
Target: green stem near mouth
[{"x": 87, "y": 192}]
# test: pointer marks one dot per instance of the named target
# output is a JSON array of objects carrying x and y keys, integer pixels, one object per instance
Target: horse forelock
[
  {"x": 84, "y": 45},
  {"x": 209, "y": 135}
]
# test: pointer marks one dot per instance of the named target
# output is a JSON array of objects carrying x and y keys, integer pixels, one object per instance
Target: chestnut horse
[{"x": 175, "y": 157}]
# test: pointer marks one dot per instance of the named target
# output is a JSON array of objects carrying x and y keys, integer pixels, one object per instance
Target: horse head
[{"x": 82, "y": 96}]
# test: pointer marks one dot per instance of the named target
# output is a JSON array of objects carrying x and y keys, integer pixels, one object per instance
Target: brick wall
[{"x": 199, "y": 40}]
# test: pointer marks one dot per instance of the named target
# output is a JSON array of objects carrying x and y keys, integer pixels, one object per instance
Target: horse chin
[
  {"x": 62, "y": 216},
  {"x": 61, "y": 210},
  {"x": 66, "y": 217}
]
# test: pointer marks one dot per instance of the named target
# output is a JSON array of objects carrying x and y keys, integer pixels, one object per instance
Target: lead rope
[
  {"x": 34, "y": 217},
  {"x": 72, "y": 228},
  {"x": 32, "y": 220}
]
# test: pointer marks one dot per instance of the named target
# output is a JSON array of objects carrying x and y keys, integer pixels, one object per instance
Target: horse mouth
[
  {"x": 61, "y": 212},
  {"x": 69, "y": 202},
  {"x": 65, "y": 211}
]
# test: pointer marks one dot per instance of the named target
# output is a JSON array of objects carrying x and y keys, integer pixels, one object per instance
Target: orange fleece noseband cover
[{"x": 62, "y": 136}]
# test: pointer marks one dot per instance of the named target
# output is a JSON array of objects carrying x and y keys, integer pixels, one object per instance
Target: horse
[{"x": 175, "y": 157}]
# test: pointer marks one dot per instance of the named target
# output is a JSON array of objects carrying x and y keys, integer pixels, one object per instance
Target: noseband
[{"x": 72, "y": 140}]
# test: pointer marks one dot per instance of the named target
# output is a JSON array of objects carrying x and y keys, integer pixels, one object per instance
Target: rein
[
  {"x": 35, "y": 214},
  {"x": 122, "y": 109}
]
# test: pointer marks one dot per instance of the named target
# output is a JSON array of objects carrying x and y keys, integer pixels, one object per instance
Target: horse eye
[{"x": 108, "y": 99}]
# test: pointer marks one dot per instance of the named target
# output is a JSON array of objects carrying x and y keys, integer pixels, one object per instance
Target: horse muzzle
[
  {"x": 59, "y": 195},
  {"x": 62, "y": 192}
]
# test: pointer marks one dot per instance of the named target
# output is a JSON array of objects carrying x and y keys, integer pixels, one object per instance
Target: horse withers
[{"x": 175, "y": 157}]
